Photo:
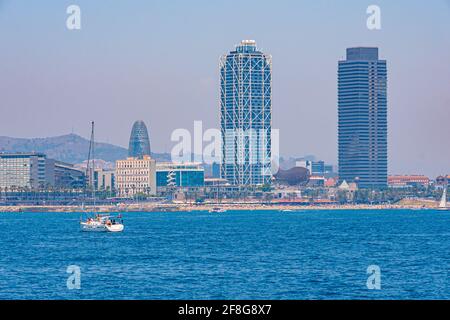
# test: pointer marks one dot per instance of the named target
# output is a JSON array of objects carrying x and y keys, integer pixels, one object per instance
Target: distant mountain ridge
[{"x": 69, "y": 148}]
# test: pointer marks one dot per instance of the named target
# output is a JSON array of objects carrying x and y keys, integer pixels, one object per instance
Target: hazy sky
[{"x": 158, "y": 61}]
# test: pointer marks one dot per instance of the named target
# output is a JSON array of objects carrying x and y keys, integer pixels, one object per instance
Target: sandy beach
[{"x": 240, "y": 206}]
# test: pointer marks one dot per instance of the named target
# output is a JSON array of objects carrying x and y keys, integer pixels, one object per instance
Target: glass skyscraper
[
  {"x": 362, "y": 118},
  {"x": 246, "y": 115},
  {"x": 139, "y": 145}
]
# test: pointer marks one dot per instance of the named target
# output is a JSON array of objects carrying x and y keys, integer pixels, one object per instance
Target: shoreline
[{"x": 184, "y": 207}]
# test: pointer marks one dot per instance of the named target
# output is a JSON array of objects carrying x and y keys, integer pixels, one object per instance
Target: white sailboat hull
[
  {"x": 101, "y": 227},
  {"x": 115, "y": 228},
  {"x": 93, "y": 227}
]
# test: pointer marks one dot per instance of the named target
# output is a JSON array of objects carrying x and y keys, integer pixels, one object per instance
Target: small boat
[
  {"x": 217, "y": 210},
  {"x": 102, "y": 223},
  {"x": 443, "y": 203},
  {"x": 287, "y": 210},
  {"x": 115, "y": 227}
]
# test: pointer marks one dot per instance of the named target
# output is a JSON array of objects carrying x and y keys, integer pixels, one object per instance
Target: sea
[{"x": 309, "y": 254}]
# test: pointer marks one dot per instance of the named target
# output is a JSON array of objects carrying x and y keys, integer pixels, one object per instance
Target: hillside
[{"x": 69, "y": 148}]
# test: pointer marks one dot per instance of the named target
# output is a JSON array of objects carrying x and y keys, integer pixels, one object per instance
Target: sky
[{"x": 158, "y": 61}]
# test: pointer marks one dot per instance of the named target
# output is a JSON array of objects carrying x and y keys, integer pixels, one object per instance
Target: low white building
[{"x": 136, "y": 176}]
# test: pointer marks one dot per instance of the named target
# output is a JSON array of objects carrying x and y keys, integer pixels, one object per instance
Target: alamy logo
[
  {"x": 252, "y": 146},
  {"x": 73, "y": 21},
  {"x": 374, "y": 19},
  {"x": 374, "y": 279},
  {"x": 74, "y": 280}
]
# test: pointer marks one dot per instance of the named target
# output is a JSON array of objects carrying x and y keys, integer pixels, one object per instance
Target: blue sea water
[{"x": 233, "y": 255}]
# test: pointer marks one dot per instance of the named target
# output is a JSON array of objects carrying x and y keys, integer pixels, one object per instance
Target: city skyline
[
  {"x": 224, "y": 159},
  {"x": 147, "y": 86}
]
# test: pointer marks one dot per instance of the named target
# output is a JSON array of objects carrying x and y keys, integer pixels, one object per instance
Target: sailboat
[
  {"x": 99, "y": 222},
  {"x": 102, "y": 223},
  {"x": 443, "y": 203},
  {"x": 217, "y": 210}
]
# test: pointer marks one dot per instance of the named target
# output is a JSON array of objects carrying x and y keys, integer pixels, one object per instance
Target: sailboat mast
[{"x": 93, "y": 163}]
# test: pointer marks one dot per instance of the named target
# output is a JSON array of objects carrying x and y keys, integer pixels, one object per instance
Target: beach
[{"x": 229, "y": 206}]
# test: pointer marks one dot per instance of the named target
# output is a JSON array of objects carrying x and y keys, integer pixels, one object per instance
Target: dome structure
[
  {"x": 293, "y": 176},
  {"x": 139, "y": 141}
]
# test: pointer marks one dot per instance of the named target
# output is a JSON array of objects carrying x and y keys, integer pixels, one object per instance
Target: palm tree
[{"x": 147, "y": 191}]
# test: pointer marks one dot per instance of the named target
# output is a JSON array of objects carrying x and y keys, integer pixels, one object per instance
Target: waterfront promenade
[{"x": 242, "y": 206}]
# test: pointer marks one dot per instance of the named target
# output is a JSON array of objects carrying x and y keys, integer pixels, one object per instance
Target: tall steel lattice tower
[{"x": 246, "y": 115}]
